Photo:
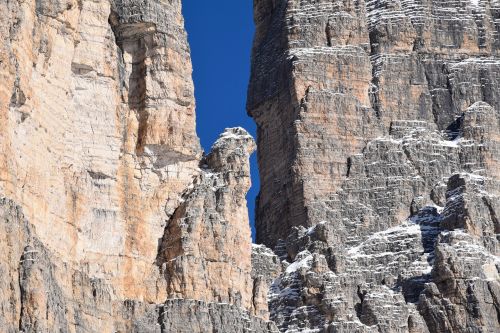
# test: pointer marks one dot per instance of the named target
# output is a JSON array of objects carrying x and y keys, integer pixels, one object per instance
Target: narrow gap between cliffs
[{"x": 220, "y": 36}]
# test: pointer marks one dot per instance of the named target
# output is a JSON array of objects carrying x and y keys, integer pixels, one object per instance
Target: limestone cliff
[
  {"x": 378, "y": 141},
  {"x": 112, "y": 219},
  {"x": 379, "y": 155}
]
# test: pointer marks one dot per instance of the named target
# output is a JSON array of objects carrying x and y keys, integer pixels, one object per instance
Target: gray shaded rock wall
[
  {"x": 198, "y": 317},
  {"x": 378, "y": 153}
]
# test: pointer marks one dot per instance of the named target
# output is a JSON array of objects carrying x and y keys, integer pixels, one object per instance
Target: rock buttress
[{"x": 206, "y": 249}]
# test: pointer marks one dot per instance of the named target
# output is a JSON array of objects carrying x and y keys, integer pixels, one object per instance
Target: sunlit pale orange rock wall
[{"x": 97, "y": 147}]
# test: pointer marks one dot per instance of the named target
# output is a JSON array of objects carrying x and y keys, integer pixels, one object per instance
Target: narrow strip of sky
[{"x": 220, "y": 34}]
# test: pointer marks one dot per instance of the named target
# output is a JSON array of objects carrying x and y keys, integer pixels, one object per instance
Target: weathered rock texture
[
  {"x": 378, "y": 141},
  {"x": 379, "y": 150},
  {"x": 205, "y": 251},
  {"x": 108, "y": 207}
]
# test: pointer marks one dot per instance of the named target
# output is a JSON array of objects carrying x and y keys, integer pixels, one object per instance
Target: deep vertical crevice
[
  {"x": 161, "y": 321},
  {"x": 328, "y": 34},
  {"x": 376, "y": 61},
  {"x": 134, "y": 41},
  {"x": 349, "y": 165},
  {"x": 22, "y": 307}
]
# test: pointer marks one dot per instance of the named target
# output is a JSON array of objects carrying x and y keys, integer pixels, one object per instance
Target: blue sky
[{"x": 220, "y": 34}]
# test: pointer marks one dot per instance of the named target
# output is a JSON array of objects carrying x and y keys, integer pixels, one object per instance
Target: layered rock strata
[
  {"x": 378, "y": 128},
  {"x": 112, "y": 219},
  {"x": 379, "y": 150}
]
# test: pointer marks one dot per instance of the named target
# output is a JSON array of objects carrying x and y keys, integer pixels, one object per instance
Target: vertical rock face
[
  {"x": 378, "y": 141},
  {"x": 379, "y": 150},
  {"x": 96, "y": 91},
  {"x": 205, "y": 251},
  {"x": 309, "y": 96},
  {"x": 109, "y": 210}
]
